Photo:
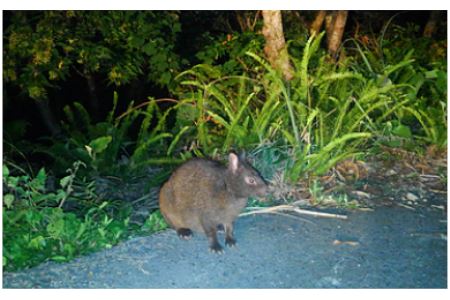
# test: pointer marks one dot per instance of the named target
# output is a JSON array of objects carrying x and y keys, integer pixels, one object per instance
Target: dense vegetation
[{"x": 209, "y": 93}]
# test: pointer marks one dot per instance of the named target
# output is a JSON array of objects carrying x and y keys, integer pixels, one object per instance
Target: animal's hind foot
[
  {"x": 216, "y": 248},
  {"x": 230, "y": 242},
  {"x": 184, "y": 233}
]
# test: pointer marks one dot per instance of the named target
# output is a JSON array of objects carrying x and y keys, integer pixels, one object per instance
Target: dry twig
[{"x": 274, "y": 209}]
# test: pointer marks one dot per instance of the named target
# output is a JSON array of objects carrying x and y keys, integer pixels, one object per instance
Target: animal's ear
[{"x": 233, "y": 162}]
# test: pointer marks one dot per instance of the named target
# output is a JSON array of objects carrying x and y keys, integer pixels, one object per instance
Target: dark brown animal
[{"x": 202, "y": 195}]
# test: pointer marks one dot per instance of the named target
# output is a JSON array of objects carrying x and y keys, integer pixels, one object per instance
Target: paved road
[{"x": 390, "y": 247}]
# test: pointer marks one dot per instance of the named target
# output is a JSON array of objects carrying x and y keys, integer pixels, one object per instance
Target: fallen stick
[
  {"x": 438, "y": 191},
  {"x": 292, "y": 216},
  {"x": 351, "y": 243},
  {"x": 319, "y": 214},
  {"x": 429, "y": 176},
  {"x": 265, "y": 210},
  {"x": 406, "y": 206}
]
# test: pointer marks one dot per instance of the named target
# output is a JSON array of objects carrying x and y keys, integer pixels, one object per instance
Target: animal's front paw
[
  {"x": 184, "y": 233},
  {"x": 216, "y": 248},
  {"x": 230, "y": 242}
]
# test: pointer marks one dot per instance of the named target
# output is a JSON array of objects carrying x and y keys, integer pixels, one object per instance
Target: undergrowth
[
  {"x": 327, "y": 113},
  {"x": 38, "y": 225},
  {"x": 378, "y": 93}
]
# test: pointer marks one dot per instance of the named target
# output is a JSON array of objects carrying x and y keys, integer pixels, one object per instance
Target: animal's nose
[{"x": 263, "y": 190}]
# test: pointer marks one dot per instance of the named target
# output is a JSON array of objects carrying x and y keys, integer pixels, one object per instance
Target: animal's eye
[{"x": 251, "y": 180}]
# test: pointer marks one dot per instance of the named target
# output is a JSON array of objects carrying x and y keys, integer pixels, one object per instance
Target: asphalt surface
[{"x": 390, "y": 247}]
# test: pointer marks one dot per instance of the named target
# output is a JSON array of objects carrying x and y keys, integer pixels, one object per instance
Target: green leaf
[
  {"x": 144, "y": 147},
  {"x": 69, "y": 249},
  {"x": 136, "y": 41},
  {"x": 402, "y": 131},
  {"x": 56, "y": 228},
  {"x": 12, "y": 182},
  {"x": 5, "y": 171},
  {"x": 176, "y": 139},
  {"x": 100, "y": 144},
  {"x": 393, "y": 143},
  {"x": 65, "y": 181},
  {"x": 38, "y": 183},
  {"x": 41, "y": 177},
  {"x": 59, "y": 258},
  {"x": 60, "y": 195},
  {"x": 37, "y": 243},
  {"x": 8, "y": 200},
  {"x": 81, "y": 230},
  {"x": 149, "y": 49},
  {"x": 431, "y": 74},
  {"x": 165, "y": 77},
  {"x": 441, "y": 81},
  {"x": 102, "y": 232}
]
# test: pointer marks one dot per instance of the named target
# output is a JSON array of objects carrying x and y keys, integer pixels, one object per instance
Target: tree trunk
[
  {"x": 240, "y": 20},
  {"x": 431, "y": 26},
  {"x": 247, "y": 20},
  {"x": 335, "y": 38},
  {"x": 47, "y": 117},
  {"x": 317, "y": 23},
  {"x": 329, "y": 24},
  {"x": 275, "y": 48}
]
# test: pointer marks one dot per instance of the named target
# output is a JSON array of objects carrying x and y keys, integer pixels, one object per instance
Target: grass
[{"x": 326, "y": 114}]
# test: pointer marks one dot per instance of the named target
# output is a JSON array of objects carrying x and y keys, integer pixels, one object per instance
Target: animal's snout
[{"x": 262, "y": 190}]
